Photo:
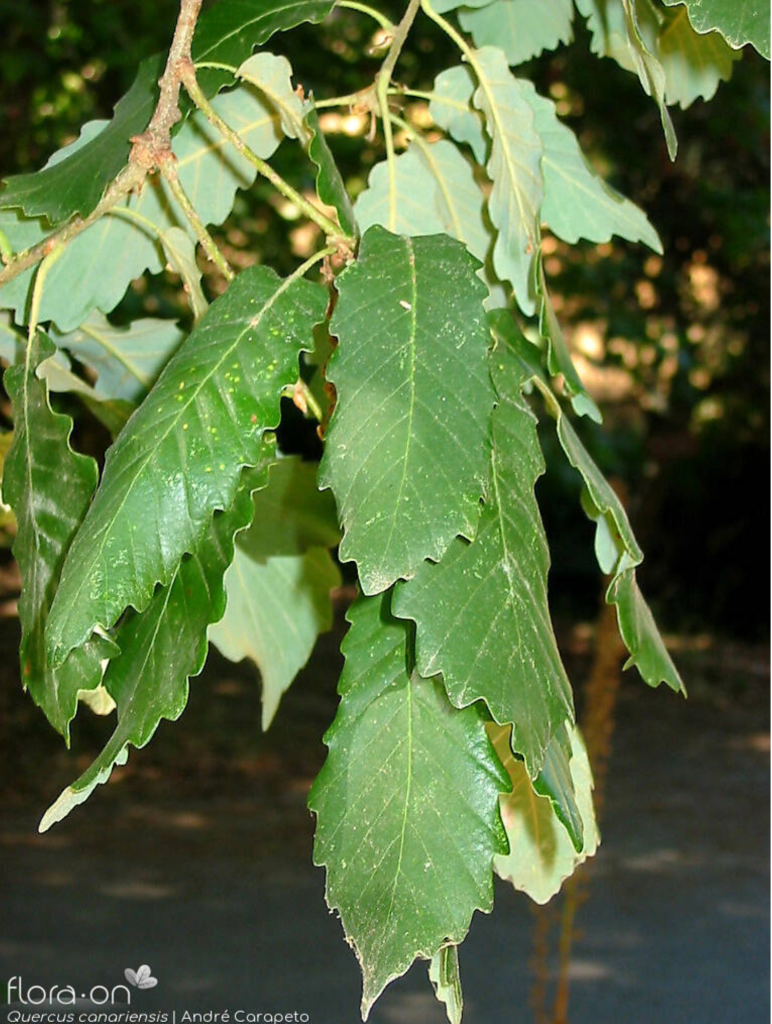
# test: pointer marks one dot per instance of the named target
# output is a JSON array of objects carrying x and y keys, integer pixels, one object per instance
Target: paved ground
[{"x": 207, "y": 876}]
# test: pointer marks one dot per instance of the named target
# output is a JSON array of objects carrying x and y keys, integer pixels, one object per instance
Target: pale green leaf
[
  {"x": 406, "y": 805},
  {"x": 180, "y": 457},
  {"x": 291, "y": 514},
  {"x": 577, "y": 202},
  {"x": 407, "y": 449},
  {"x": 276, "y": 609},
  {"x": 436, "y": 194},
  {"x": 514, "y": 168},
  {"x": 75, "y": 178},
  {"x": 541, "y": 855},
  {"x": 98, "y": 264},
  {"x": 272, "y": 76},
  {"x": 161, "y": 647},
  {"x": 127, "y": 360},
  {"x": 445, "y": 977},
  {"x": 521, "y": 28},
  {"x": 451, "y": 108},
  {"x": 56, "y": 371},
  {"x": 738, "y": 21},
  {"x": 482, "y": 615},
  {"x": 49, "y": 487}
]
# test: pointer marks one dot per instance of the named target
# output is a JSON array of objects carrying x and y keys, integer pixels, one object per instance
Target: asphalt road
[{"x": 212, "y": 886}]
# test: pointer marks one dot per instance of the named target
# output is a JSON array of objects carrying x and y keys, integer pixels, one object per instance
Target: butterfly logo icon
[{"x": 141, "y": 978}]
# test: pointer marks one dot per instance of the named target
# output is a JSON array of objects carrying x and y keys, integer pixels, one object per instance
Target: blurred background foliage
[{"x": 675, "y": 349}]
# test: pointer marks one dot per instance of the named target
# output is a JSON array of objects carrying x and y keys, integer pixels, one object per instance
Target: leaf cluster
[{"x": 425, "y": 349}]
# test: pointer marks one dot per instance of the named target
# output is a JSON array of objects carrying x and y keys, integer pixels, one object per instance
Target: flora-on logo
[{"x": 141, "y": 978}]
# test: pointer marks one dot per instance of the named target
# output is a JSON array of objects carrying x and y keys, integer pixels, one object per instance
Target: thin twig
[
  {"x": 188, "y": 76},
  {"x": 156, "y": 139},
  {"x": 144, "y": 154},
  {"x": 169, "y": 171},
  {"x": 383, "y": 81}
]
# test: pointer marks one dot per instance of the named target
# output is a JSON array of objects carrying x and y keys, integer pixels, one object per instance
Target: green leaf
[
  {"x": 127, "y": 360},
  {"x": 616, "y": 548},
  {"x": 329, "y": 184},
  {"x": 556, "y": 783},
  {"x": 451, "y": 108},
  {"x": 279, "y": 583},
  {"x": 407, "y": 449},
  {"x": 56, "y": 371},
  {"x": 650, "y": 72},
  {"x": 180, "y": 250},
  {"x": 291, "y": 515},
  {"x": 640, "y": 634},
  {"x": 161, "y": 647},
  {"x": 406, "y": 805},
  {"x": 75, "y": 178},
  {"x": 558, "y": 357},
  {"x": 541, "y": 854},
  {"x": 180, "y": 457},
  {"x": 276, "y": 609},
  {"x": 521, "y": 28},
  {"x": 48, "y": 486},
  {"x": 482, "y": 616},
  {"x": 515, "y": 170},
  {"x": 436, "y": 194},
  {"x": 446, "y": 979},
  {"x": 620, "y": 30},
  {"x": 97, "y": 266},
  {"x": 694, "y": 64},
  {"x": 738, "y": 22},
  {"x": 228, "y": 32},
  {"x": 577, "y": 202}
]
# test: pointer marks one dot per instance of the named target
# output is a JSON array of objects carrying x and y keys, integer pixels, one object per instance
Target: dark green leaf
[
  {"x": 616, "y": 548},
  {"x": 48, "y": 486},
  {"x": 291, "y": 515},
  {"x": 329, "y": 184},
  {"x": 738, "y": 21},
  {"x": 230, "y": 30},
  {"x": 482, "y": 616},
  {"x": 407, "y": 450},
  {"x": 406, "y": 805},
  {"x": 75, "y": 178},
  {"x": 164, "y": 645},
  {"x": 556, "y": 783},
  {"x": 180, "y": 456},
  {"x": 558, "y": 357}
]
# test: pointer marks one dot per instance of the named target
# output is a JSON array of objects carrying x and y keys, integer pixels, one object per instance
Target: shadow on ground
[{"x": 196, "y": 860}]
